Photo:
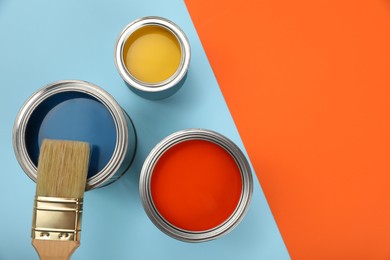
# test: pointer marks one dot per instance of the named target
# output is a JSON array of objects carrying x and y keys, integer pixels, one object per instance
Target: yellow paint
[{"x": 152, "y": 54}]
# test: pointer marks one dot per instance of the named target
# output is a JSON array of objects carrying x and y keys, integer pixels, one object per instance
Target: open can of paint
[
  {"x": 76, "y": 110},
  {"x": 196, "y": 185},
  {"x": 152, "y": 55}
]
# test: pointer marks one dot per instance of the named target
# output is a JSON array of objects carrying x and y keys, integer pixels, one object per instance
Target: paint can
[
  {"x": 76, "y": 110},
  {"x": 162, "y": 219},
  {"x": 142, "y": 31}
]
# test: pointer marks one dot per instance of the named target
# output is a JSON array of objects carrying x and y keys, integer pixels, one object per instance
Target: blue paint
[{"x": 73, "y": 116}]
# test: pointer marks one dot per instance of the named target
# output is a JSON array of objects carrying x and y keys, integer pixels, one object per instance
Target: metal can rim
[
  {"x": 176, "y": 31},
  {"x": 72, "y": 86},
  {"x": 147, "y": 171}
]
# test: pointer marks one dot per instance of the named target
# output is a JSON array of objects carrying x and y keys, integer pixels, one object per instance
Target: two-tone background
[{"x": 304, "y": 85}]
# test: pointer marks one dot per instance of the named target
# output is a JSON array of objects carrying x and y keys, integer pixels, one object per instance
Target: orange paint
[{"x": 196, "y": 185}]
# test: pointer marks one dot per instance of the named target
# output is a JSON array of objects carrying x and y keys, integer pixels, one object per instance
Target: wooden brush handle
[{"x": 55, "y": 250}]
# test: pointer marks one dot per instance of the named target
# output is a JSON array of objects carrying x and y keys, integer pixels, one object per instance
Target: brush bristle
[{"x": 62, "y": 169}]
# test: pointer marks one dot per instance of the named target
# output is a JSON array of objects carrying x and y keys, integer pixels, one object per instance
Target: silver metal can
[
  {"x": 164, "y": 88},
  {"x": 146, "y": 194},
  {"x": 71, "y": 110}
]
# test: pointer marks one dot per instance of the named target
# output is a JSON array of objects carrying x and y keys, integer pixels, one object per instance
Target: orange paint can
[{"x": 196, "y": 185}]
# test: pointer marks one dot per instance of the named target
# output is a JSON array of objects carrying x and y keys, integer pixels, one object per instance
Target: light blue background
[{"x": 46, "y": 41}]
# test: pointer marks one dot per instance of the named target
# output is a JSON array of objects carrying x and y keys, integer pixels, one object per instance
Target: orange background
[{"x": 308, "y": 85}]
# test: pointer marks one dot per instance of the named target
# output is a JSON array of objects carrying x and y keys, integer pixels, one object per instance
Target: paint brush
[{"x": 61, "y": 181}]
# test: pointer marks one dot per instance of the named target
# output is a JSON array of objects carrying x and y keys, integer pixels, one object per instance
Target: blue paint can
[{"x": 76, "y": 110}]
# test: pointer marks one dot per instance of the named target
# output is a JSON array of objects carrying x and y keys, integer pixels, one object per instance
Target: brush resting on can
[{"x": 61, "y": 181}]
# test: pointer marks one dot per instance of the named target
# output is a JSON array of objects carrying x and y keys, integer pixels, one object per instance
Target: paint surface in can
[
  {"x": 152, "y": 54},
  {"x": 73, "y": 116},
  {"x": 196, "y": 185}
]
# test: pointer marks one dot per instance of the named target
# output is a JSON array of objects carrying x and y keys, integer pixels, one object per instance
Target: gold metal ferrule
[{"x": 57, "y": 218}]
